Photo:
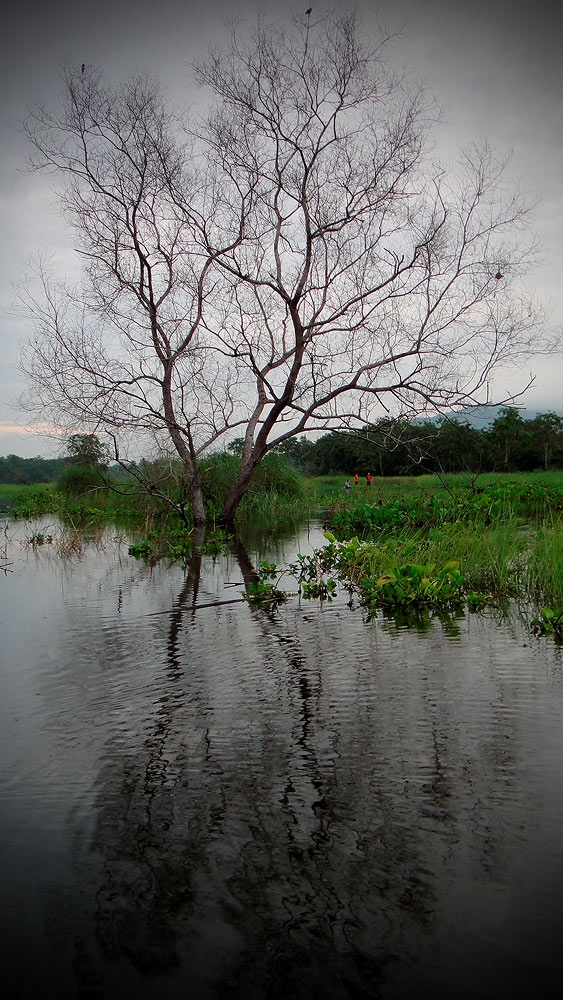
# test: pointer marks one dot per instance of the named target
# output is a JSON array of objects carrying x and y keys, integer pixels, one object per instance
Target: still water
[{"x": 205, "y": 800}]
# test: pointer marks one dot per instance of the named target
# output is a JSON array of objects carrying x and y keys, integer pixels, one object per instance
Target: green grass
[
  {"x": 505, "y": 530},
  {"x": 9, "y": 490},
  {"x": 543, "y": 575},
  {"x": 492, "y": 561},
  {"x": 322, "y": 487},
  {"x": 27, "y": 502}
]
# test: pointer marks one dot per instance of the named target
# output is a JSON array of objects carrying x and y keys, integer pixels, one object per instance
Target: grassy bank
[
  {"x": 12, "y": 491},
  {"x": 331, "y": 489},
  {"x": 503, "y": 532},
  {"x": 426, "y": 541},
  {"x": 27, "y": 502}
]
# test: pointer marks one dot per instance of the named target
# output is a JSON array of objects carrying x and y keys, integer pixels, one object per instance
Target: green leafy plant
[
  {"x": 413, "y": 584},
  {"x": 476, "y": 602},
  {"x": 322, "y": 589},
  {"x": 309, "y": 571},
  {"x": 549, "y": 621},
  {"x": 141, "y": 550},
  {"x": 27, "y": 504},
  {"x": 262, "y": 594},
  {"x": 268, "y": 571}
]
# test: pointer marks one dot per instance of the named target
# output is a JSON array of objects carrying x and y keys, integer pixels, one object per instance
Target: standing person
[
  {"x": 347, "y": 485},
  {"x": 356, "y": 479},
  {"x": 368, "y": 479}
]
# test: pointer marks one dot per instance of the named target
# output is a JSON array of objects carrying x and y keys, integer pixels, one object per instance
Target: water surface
[{"x": 201, "y": 799}]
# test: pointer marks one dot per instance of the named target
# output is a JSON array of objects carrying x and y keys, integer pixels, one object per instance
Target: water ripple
[{"x": 202, "y": 797}]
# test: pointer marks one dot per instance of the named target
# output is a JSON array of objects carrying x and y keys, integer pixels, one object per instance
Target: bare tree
[{"x": 296, "y": 262}]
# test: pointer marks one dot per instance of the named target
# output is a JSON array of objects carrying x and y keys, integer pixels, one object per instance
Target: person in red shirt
[
  {"x": 368, "y": 479},
  {"x": 356, "y": 479}
]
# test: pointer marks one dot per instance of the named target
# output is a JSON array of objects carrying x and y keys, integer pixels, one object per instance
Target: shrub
[
  {"x": 76, "y": 480},
  {"x": 275, "y": 474},
  {"x": 218, "y": 473}
]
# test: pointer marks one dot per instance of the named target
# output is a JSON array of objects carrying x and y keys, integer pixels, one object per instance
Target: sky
[{"x": 494, "y": 67}]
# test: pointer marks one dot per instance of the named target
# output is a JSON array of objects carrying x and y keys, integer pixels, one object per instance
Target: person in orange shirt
[{"x": 356, "y": 479}]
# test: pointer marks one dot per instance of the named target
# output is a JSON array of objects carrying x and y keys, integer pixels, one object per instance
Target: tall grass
[
  {"x": 492, "y": 560},
  {"x": 543, "y": 576},
  {"x": 507, "y": 536}
]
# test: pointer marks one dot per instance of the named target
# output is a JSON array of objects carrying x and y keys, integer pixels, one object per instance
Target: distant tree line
[
  {"x": 81, "y": 450},
  {"x": 24, "y": 471},
  {"x": 388, "y": 448},
  {"x": 407, "y": 448}
]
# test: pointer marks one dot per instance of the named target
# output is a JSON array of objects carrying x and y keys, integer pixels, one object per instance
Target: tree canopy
[{"x": 87, "y": 449}]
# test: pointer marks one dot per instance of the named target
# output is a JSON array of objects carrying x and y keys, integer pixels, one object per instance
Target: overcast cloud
[{"x": 495, "y": 68}]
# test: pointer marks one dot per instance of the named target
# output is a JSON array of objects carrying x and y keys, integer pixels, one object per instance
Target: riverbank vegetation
[
  {"x": 155, "y": 491},
  {"x": 410, "y": 542},
  {"x": 506, "y": 442},
  {"x": 446, "y": 539}
]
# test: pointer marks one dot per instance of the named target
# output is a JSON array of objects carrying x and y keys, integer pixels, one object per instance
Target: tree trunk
[
  {"x": 237, "y": 491},
  {"x": 185, "y": 451},
  {"x": 198, "y": 506}
]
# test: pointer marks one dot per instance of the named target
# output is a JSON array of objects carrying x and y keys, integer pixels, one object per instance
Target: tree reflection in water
[
  {"x": 230, "y": 857},
  {"x": 267, "y": 835}
]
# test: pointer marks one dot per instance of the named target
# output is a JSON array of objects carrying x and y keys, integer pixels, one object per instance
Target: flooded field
[{"x": 203, "y": 799}]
